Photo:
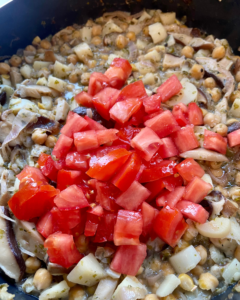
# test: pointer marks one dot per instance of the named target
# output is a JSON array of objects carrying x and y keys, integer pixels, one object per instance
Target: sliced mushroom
[
  {"x": 44, "y": 123},
  {"x": 110, "y": 39},
  {"x": 133, "y": 51},
  {"x": 11, "y": 261},
  {"x": 233, "y": 127},
  {"x": 225, "y": 63},
  {"x": 196, "y": 32},
  {"x": 227, "y": 246},
  {"x": 203, "y": 154},
  {"x": 222, "y": 181},
  {"x": 33, "y": 91},
  {"x": 15, "y": 76},
  {"x": 56, "y": 269},
  {"x": 49, "y": 56},
  {"x": 182, "y": 38},
  {"x": 5, "y": 129},
  {"x": 178, "y": 29},
  {"x": 5, "y": 195},
  {"x": 198, "y": 43},
  {"x": 5, "y": 94},
  {"x": 230, "y": 208},
  {"x": 172, "y": 61}
]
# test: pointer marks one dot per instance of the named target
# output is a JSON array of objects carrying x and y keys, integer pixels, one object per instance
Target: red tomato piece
[
  {"x": 106, "y": 136},
  {"x": 169, "y": 88},
  {"x": 195, "y": 114},
  {"x": 76, "y": 161},
  {"x": 62, "y": 147},
  {"x": 214, "y": 141},
  {"x": 45, "y": 224},
  {"x": 86, "y": 140},
  {"x": 132, "y": 90},
  {"x": 32, "y": 201},
  {"x": 185, "y": 139},
  {"x": 193, "y": 211},
  {"x": 180, "y": 113},
  {"x": 62, "y": 250},
  {"x": 122, "y": 111},
  {"x": 47, "y": 166},
  {"x": 126, "y": 134},
  {"x": 147, "y": 142},
  {"x": 93, "y": 219},
  {"x": 106, "y": 166},
  {"x": 172, "y": 181},
  {"x": 68, "y": 177},
  {"x": 148, "y": 213},
  {"x": 93, "y": 125},
  {"x": 128, "y": 228},
  {"x": 189, "y": 168},
  {"x": 128, "y": 259},
  {"x": 128, "y": 172},
  {"x": 71, "y": 198},
  {"x": 105, "y": 228},
  {"x": 148, "y": 117},
  {"x": 169, "y": 225},
  {"x": 104, "y": 100},
  {"x": 65, "y": 220},
  {"x": 234, "y": 138},
  {"x": 97, "y": 82},
  {"x": 123, "y": 64},
  {"x": 152, "y": 104},
  {"x": 138, "y": 118},
  {"x": 116, "y": 77},
  {"x": 196, "y": 190},
  {"x": 75, "y": 124},
  {"x": 84, "y": 99},
  {"x": 167, "y": 148},
  {"x": 107, "y": 195},
  {"x": 163, "y": 124},
  {"x": 170, "y": 199},
  {"x": 163, "y": 169},
  {"x": 60, "y": 164},
  {"x": 31, "y": 173},
  {"x": 133, "y": 197}
]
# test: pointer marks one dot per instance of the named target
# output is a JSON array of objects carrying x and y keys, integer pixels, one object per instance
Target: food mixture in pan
[{"x": 120, "y": 162}]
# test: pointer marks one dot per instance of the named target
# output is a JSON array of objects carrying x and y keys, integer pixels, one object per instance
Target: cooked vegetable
[
  {"x": 169, "y": 284},
  {"x": 217, "y": 228}
]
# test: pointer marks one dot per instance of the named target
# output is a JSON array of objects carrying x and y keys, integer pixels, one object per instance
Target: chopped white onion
[
  {"x": 217, "y": 228},
  {"x": 57, "y": 291},
  {"x": 203, "y": 154},
  {"x": 105, "y": 289},
  {"x": 235, "y": 230},
  {"x": 112, "y": 273},
  {"x": 232, "y": 271},
  {"x": 216, "y": 255},
  {"x": 157, "y": 32},
  {"x": 169, "y": 284}
]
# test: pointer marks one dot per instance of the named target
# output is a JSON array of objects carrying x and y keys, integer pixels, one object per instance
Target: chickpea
[
  {"x": 237, "y": 253},
  {"x": 97, "y": 40},
  {"x": 186, "y": 283},
  {"x": 197, "y": 271},
  {"x": 237, "y": 178},
  {"x": 39, "y": 136},
  {"x": 209, "y": 83},
  {"x": 203, "y": 253},
  {"x": 24, "y": 256},
  {"x": 76, "y": 293},
  {"x": 4, "y": 69},
  {"x": 72, "y": 59},
  {"x": 217, "y": 172},
  {"x": 140, "y": 271},
  {"x": 121, "y": 41},
  {"x": 82, "y": 243},
  {"x": 96, "y": 30},
  {"x": 42, "y": 279},
  {"x": 69, "y": 283},
  {"x": 85, "y": 78},
  {"x": 45, "y": 44},
  {"x": 91, "y": 289},
  {"x": 197, "y": 71},
  {"x": 235, "y": 95},
  {"x": 146, "y": 30},
  {"x": 66, "y": 37},
  {"x": 167, "y": 268},
  {"x": 208, "y": 282},
  {"x": 189, "y": 235},
  {"x": 51, "y": 141},
  {"x": 204, "y": 111},
  {"x": 31, "y": 48},
  {"x": 32, "y": 265},
  {"x": 215, "y": 164},
  {"x": 169, "y": 297},
  {"x": 36, "y": 41},
  {"x": 211, "y": 119},
  {"x": 216, "y": 94},
  {"x": 187, "y": 51},
  {"x": 131, "y": 36},
  {"x": 15, "y": 61},
  {"x": 73, "y": 77},
  {"x": 221, "y": 129},
  {"x": 237, "y": 76},
  {"x": 219, "y": 52},
  {"x": 92, "y": 63},
  {"x": 65, "y": 49},
  {"x": 151, "y": 297},
  {"x": 76, "y": 34}
]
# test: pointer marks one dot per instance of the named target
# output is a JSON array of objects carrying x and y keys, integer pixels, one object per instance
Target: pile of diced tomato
[{"x": 120, "y": 186}]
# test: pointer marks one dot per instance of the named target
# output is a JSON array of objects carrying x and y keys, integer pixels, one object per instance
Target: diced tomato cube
[
  {"x": 75, "y": 124},
  {"x": 106, "y": 136},
  {"x": 84, "y": 99},
  {"x": 62, "y": 147},
  {"x": 71, "y": 198},
  {"x": 163, "y": 124},
  {"x": 214, "y": 141},
  {"x": 106, "y": 196},
  {"x": 122, "y": 111},
  {"x": 93, "y": 125},
  {"x": 105, "y": 167},
  {"x": 62, "y": 250},
  {"x": 152, "y": 103},
  {"x": 31, "y": 174},
  {"x": 65, "y": 220},
  {"x": 128, "y": 172},
  {"x": 195, "y": 114},
  {"x": 76, "y": 161},
  {"x": 196, "y": 190},
  {"x": 128, "y": 228},
  {"x": 147, "y": 142},
  {"x": 170, "y": 199},
  {"x": 193, "y": 211},
  {"x": 169, "y": 88},
  {"x": 180, "y": 113},
  {"x": 138, "y": 118},
  {"x": 189, "y": 168},
  {"x": 45, "y": 224},
  {"x": 105, "y": 228},
  {"x": 60, "y": 164},
  {"x": 116, "y": 77},
  {"x": 126, "y": 134},
  {"x": 173, "y": 181},
  {"x": 97, "y": 82},
  {"x": 124, "y": 65},
  {"x": 104, "y": 100},
  {"x": 86, "y": 140},
  {"x": 47, "y": 166},
  {"x": 93, "y": 219},
  {"x": 128, "y": 259},
  {"x": 167, "y": 148},
  {"x": 234, "y": 138},
  {"x": 185, "y": 139},
  {"x": 148, "y": 213},
  {"x": 133, "y": 90},
  {"x": 169, "y": 225},
  {"x": 68, "y": 177},
  {"x": 133, "y": 197}
]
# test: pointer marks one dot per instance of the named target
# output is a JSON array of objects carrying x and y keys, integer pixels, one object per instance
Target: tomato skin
[
  {"x": 106, "y": 136},
  {"x": 181, "y": 115},
  {"x": 128, "y": 259},
  {"x": 152, "y": 103},
  {"x": 105, "y": 228},
  {"x": 93, "y": 125},
  {"x": 67, "y": 178},
  {"x": 148, "y": 213},
  {"x": 62, "y": 147},
  {"x": 47, "y": 166},
  {"x": 169, "y": 88},
  {"x": 128, "y": 228},
  {"x": 97, "y": 82},
  {"x": 65, "y": 220},
  {"x": 106, "y": 196},
  {"x": 195, "y": 114},
  {"x": 45, "y": 224},
  {"x": 86, "y": 140},
  {"x": 62, "y": 250},
  {"x": 189, "y": 168},
  {"x": 74, "y": 124},
  {"x": 123, "y": 64},
  {"x": 132, "y": 90},
  {"x": 106, "y": 166},
  {"x": 84, "y": 99},
  {"x": 126, "y": 134},
  {"x": 167, "y": 148},
  {"x": 185, "y": 139},
  {"x": 93, "y": 219},
  {"x": 170, "y": 199},
  {"x": 116, "y": 77},
  {"x": 133, "y": 197},
  {"x": 214, "y": 141},
  {"x": 196, "y": 190},
  {"x": 128, "y": 172},
  {"x": 193, "y": 211},
  {"x": 31, "y": 173},
  {"x": 76, "y": 161},
  {"x": 234, "y": 138},
  {"x": 32, "y": 200},
  {"x": 170, "y": 225}
]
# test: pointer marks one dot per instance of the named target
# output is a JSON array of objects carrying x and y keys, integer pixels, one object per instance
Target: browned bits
[
  {"x": 72, "y": 59},
  {"x": 131, "y": 36},
  {"x": 121, "y": 41},
  {"x": 4, "y": 69},
  {"x": 187, "y": 51},
  {"x": 15, "y": 61},
  {"x": 45, "y": 44},
  {"x": 97, "y": 40},
  {"x": 96, "y": 30}
]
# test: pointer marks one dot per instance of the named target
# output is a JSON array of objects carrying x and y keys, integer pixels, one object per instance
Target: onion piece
[
  {"x": 169, "y": 284},
  {"x": 232, "y": 272},
  {"x": 157, "y": 32},
  {"x": 216, "y": 255},
  {"x": 235, "y": 230},
  {"x": 112, "y": 273},
  {"x": 105, "y": 289},
  {"x": 203, "y": 154},
  {"x": 59, "y": 290},
  {"x": 217, "y": 228}
]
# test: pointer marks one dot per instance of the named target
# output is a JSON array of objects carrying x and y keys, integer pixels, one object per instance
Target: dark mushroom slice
[
  {"x": 11, "y": 261},
  {"x": 236, "y": 66},
  {"x": 202, "y": 99},
  {"x": 198, "y": 43},
  {"x": 49, "y": 56},
  {"x": 214, "y": 196},
  {"x": 57, "y": 270},
  {"x": 233, "y": 127},
  {"x": 196, "y": 32},
  {"x": 44, "y": 123},
  {"x": 218, "y": 81},
  {"x": 207, "y": 205},
  {"x": 230, "y": 208},
  {"x": 182, "y": 39},
  {"x": 3, "y": 98}
]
